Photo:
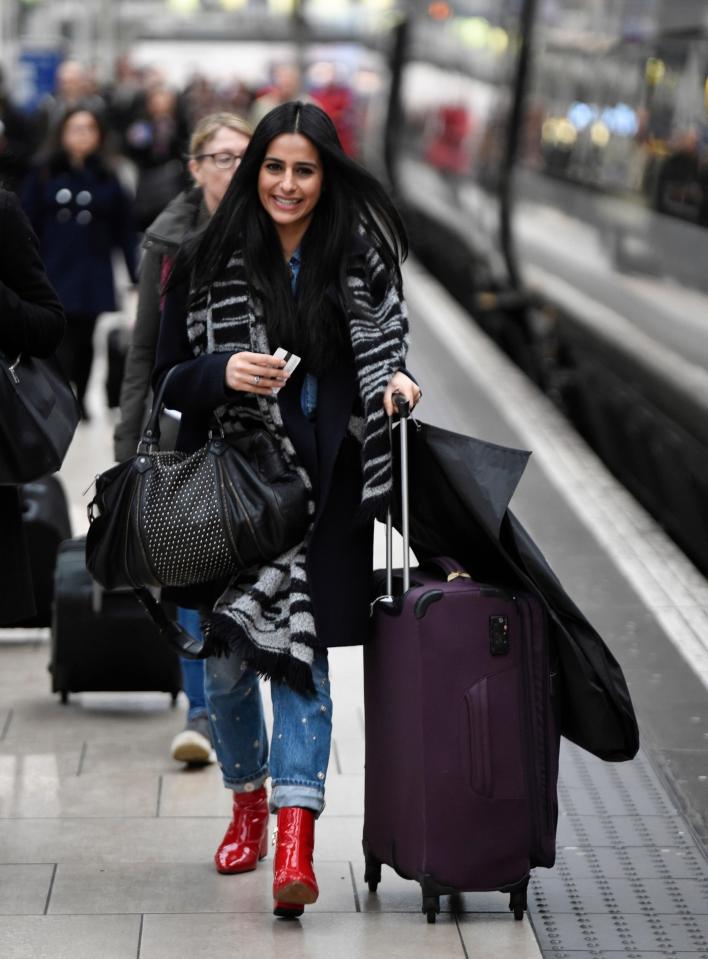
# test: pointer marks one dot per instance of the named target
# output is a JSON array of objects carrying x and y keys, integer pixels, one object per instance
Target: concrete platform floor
[{"x": 106, "y": 843}]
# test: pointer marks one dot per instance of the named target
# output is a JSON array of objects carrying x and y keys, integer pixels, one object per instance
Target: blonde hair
[{"x": 209, "y": 125}]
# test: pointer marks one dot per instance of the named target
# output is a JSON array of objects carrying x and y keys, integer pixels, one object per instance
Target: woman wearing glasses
[{"x": 216, "y": 147}]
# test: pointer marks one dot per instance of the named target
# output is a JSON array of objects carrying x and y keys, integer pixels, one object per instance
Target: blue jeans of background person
[
  {"x": 192, "y": 669},
  {"x": 302, "y": 732}
]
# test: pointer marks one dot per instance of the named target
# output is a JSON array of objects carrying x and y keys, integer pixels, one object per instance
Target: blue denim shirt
[{"x": 308, "y": 395}]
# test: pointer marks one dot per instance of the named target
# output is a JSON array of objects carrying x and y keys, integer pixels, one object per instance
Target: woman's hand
[
  {"x": 400, "y": 383},
  {"x": 255, "y": 373}
]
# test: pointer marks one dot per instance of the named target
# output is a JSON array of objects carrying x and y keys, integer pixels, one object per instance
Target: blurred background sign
[{"x": 35, "y": 76}]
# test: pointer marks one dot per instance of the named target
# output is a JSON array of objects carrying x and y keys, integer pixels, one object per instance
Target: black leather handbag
[
  {"x": 172, "y": 519},
  {"x": 38, "y": 418}
]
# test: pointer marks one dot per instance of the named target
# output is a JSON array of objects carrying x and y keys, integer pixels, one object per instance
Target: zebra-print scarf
[{"x": 266, "y": 617}]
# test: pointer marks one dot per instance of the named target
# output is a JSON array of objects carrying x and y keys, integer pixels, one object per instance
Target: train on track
[{"x": 551, "y": 160}]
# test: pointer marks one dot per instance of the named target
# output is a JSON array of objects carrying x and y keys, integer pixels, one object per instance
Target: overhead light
[
  {"x": 184, "y": 7},
  {"x": 559, "y": 131},
  {"x": 498, "y": 39},
  {"x": 329, "y": 6},
  {"x": 284, "y": 7},
  {"x": 600, "y": 134},
  {"x": 654, "y": 71},
  {"x": 473, "y": 31},
  {"x": 581, "y": 114}
]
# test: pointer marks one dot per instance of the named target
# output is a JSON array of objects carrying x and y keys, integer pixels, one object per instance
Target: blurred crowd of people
[
  {"x": 148, "y": 122},
  {"x": 94, "y": 165}
]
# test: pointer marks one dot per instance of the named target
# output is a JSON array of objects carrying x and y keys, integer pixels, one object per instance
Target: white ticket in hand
[{"x": 291, "y": 362}]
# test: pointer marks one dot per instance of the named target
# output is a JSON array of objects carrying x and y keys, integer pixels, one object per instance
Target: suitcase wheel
[
  {"x": 431, "y": 907},
  {"x": 372, "y": 872},
  {"x": 64, "y": 696},
  {"x": 518, "y": 904}
]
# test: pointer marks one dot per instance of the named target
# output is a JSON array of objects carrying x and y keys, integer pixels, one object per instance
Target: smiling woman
[
  {"x": 289, "y": 187},
  {"x": 303, "y": 253}
]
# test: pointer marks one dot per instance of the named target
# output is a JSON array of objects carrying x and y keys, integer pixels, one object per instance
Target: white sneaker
[{"x": 193, "y": 744}]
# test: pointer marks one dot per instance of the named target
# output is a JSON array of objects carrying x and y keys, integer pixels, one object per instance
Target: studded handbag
[{"x": 172, "y": 519}]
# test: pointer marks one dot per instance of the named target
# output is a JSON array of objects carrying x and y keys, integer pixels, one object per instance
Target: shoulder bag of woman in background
[
  {"x": 175, "y": 519},
  {"x": 39, "y": 417}
]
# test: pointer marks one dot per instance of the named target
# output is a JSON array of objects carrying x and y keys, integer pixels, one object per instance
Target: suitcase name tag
[{"x": 457, "y": 574}]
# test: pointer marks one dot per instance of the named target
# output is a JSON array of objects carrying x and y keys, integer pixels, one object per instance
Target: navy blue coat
[
  {"x": 81, "y": 216},
  {"x": 339, "y": 558}
]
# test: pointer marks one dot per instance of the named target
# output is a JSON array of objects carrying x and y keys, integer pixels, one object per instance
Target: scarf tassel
[{"x": 226, "y": 637}]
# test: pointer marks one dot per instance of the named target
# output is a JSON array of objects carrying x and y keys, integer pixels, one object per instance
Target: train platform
[{"x": 106, "y": 844}]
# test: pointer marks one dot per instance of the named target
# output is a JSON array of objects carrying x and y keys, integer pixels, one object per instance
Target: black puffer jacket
[{"x": 162, "y": 239}]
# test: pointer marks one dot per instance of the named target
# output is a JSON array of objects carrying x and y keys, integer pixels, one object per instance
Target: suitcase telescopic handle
[{"x": 404, "y": 411}]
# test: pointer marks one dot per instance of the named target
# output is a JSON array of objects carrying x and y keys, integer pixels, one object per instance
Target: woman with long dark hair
[
  {"x": 81, "y": 214},
  {"x": 302, "y": 253}
]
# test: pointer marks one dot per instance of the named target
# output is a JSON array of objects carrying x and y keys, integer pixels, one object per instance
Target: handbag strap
[
  {"x": 177, "y": 636},
  {"x": 150, "y": 440}
]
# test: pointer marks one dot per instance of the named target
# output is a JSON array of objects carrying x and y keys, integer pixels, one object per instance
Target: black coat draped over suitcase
[{"x": 460, "y": 489}]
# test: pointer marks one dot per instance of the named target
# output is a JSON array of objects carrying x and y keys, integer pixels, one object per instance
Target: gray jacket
[{"x": 163, "y": 238}]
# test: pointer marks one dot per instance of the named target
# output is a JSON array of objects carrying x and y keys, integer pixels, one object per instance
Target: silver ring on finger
[{"x": 256, "y": 380}]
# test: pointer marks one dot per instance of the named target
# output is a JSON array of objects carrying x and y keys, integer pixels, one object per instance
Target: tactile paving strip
[{"x": 629, "y": 879}]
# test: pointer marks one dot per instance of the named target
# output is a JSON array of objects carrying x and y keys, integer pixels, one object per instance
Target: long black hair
[{"x": 351, "y": 198}]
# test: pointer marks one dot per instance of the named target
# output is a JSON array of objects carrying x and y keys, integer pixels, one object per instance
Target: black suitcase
[
  {"x": 103, "y": 641},
  {"x": 117, "y": 350},
  {"x": 45, "y": 519}
]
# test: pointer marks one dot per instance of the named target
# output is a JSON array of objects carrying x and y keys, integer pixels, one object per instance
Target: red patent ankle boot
[
  {"x": 294, "y": 883},
  {"x": 246, "y": 839}
]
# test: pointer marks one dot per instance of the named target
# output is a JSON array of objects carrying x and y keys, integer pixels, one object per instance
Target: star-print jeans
[{"x": 302, "y": 732}]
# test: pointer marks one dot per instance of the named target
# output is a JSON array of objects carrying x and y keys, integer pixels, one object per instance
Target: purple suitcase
[{"x": 462, "y": 736}]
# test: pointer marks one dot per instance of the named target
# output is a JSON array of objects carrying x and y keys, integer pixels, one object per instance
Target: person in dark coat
[
  {"x": 216, "y": 147},
  {"x": 156, "y": 141},
  {"x": 303, "y": 254},
  {"x": 215, "y": 150},
  {"x": 81, "y": 214},
  {"x": 31, "y": 322}
]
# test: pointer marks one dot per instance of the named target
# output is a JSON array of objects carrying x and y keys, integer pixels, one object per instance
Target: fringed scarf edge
[{"x": 227, "y": 636}]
